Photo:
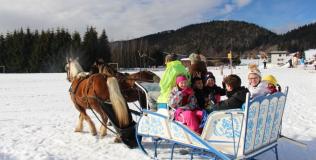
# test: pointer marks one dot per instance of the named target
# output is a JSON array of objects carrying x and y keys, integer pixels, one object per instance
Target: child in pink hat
[{"x": 184, "y": 102}]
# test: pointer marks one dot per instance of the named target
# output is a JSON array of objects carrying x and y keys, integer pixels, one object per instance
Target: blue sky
[
  {"x": 126, "y": 19},
  {"x": 276, "y": 15}
]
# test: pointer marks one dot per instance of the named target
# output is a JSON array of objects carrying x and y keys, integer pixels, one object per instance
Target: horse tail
[{"x": 118, "y": 102}]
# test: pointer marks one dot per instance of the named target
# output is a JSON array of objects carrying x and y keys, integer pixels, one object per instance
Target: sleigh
[{"x": 230, "y": 134}]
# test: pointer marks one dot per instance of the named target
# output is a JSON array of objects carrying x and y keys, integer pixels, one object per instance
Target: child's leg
[
  {"x": 192, "y": 121},
  {"x": 199, "y": 115}
]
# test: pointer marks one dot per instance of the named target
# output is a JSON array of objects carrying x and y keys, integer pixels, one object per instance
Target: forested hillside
[{"x": 45, "y": 51}]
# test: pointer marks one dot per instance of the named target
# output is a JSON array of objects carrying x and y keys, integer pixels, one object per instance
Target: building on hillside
[
  {"x": 310, "y": 54},
  {"x": 278, "y": 57}
]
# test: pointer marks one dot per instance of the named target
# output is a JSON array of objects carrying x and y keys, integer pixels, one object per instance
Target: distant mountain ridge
[{"x": 214, "y": 39}]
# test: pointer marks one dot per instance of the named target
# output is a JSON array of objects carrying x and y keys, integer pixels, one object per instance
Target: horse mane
[
  {"x": 76, "y": 69},
  {"x": 107, "y": 69}
]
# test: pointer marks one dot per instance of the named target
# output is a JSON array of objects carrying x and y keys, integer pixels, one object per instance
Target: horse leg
[
  {"x": 90, "y": 123},
  {"x": 103, "y": 129},
  {"x": 79, "y": 127},
  {"x": 84, "y": 116}
]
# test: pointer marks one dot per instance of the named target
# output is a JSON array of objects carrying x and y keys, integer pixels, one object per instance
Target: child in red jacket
[{"x": 184, "y": 102}]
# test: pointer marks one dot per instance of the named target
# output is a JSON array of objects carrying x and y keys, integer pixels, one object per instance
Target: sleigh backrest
[
  {"x": 148, "y": 88},
  {"x": 247, "y": 131}
]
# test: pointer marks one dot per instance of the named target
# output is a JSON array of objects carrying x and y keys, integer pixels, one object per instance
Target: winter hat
[
  {"x": 253, "y": 69},
  {"x": 180, "y": 79},
  {"x": 209, "y": 75},
  {"x": 270, "y": 79},
  {"x": 194, "y": 58},
  {"x": 171, "y": 57}
]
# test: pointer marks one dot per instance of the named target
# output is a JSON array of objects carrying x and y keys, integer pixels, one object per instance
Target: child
[
  {"x": 273, "y": 85},
  {"x": 256, "y": 86},
  {"x": 197, "y": 85},
  {"x": 182, "y": 99},
  {"x": 213, "y": 91},
  {"x": 236, "y": 94}
]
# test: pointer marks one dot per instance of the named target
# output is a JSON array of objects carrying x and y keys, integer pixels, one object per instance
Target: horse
[
  {"x": 100, "y": 93},
  {"x": 127, "y": 81}
]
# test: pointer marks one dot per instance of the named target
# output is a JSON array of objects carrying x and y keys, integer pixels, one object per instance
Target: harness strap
[{"x": 73, "y": 93}]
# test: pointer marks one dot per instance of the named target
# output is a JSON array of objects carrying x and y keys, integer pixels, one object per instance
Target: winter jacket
[
  {"x": 198, "y": 67},
  {"x": 260, "y": 90},
  {"x": 200, "y": 97},
  {"x": 236, "y": 99},
  {"x": 184, "y": 99},
  {"x": 215, "y": 93},
  {"x": 168, "y": 80}
]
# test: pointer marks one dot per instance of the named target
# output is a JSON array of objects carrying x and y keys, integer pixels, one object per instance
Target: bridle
[{"x": 68, "y": 71}]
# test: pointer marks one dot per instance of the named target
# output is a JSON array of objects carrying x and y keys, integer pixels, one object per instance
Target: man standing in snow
[{"x": 265, "y": 63}]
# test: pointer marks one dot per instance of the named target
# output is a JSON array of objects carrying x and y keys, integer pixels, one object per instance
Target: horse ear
[{"x": 77, "y": 59}]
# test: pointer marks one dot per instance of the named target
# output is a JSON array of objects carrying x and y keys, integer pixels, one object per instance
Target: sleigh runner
[{"x": 230, "y": 134}]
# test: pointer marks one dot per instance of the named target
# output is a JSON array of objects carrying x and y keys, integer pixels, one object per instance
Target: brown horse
[
  {"x": 127, "y": 82},
  {"x": 100, "y": 93}
]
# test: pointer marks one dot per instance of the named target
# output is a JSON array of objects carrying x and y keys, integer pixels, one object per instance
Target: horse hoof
[
  {"x": 94, "y": 133},
  {"x": 117, "y": 140},
  {"x": 78, "y": 130},
  {"x": 103, "y": 134}
]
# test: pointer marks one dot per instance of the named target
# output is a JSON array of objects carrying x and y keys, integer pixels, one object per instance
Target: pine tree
[
  {"x": 90, "y": 45},
  {"x": 103, "y": 51}
]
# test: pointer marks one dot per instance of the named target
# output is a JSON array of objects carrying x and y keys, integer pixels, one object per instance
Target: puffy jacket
[
  {"x": 168, "y": 79},
  {"x": 236, "y": 99},
  {"x": 260, "y": 90},
  {"x": 182, "y": 99}
]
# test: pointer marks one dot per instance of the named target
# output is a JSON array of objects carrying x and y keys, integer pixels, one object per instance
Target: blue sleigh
[{"x": 230, "y": 134}]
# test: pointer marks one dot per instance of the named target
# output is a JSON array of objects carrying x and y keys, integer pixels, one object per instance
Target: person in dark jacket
[
  {"x": 213, "y": 91},
  {"x": 197, "y": 85},
  {"x": 236, "y": 94}
]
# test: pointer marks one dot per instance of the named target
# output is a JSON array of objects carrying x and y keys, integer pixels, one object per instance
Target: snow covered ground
[{"x": 37, "y": 119}]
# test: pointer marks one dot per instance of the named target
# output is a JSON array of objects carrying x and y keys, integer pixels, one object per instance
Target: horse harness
[
  {"x": 87, "y": 88},
  {"x": 85, "y": 98}
]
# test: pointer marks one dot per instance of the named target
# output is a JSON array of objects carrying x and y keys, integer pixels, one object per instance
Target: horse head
[
  {"x": 145, "y": 76},
  {"x": 73, "y": 69},
  {"x": 106, "y": 69}
]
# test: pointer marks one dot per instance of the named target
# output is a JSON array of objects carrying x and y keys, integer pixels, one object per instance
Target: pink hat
[{"x": 180, "y": 79}]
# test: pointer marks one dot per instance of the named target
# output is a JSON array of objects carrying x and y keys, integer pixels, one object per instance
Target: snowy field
[{"x": 37, "y": 119}]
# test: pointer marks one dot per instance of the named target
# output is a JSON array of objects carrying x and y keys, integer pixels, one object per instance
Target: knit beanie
[
  {"x": 180, "y": 79},
  {"x": 194, "y": 58},
  {"x": 253, "y": 69},
  {"x": 209, "y": 75}
]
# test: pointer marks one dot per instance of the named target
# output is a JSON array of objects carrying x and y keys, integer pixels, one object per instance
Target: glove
[{"x": 210, "y": 107}]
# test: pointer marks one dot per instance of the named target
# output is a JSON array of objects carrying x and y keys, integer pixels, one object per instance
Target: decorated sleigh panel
[{"x": 230, "y": 134}]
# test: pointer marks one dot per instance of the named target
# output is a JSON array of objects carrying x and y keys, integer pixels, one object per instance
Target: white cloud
[
  {"x": 241, "y": 3},
  {"x": 285, "y": 28},
  {"x": 122, "y": 19}
]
